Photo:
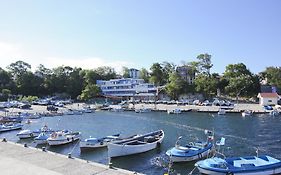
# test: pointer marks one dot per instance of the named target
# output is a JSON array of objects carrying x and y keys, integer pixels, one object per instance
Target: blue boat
[
  {"x": 192, "y": 151},
  {"x": 248, "y": 165}
]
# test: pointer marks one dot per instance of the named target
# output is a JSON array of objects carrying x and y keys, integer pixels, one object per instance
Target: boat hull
[
  {"x": 249, "y": 165},
  {"x": 61, "y": 142},
  {"x": 190, "y": 158},
  {"x": 117, "y": 150},
  {"x": 85, "y": 145}
]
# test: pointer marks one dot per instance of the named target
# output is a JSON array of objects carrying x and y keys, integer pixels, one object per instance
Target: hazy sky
[{"x": 137, "y": 33}]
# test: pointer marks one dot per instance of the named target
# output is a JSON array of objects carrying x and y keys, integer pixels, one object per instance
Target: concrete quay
[{"x": 16, "y": 159}]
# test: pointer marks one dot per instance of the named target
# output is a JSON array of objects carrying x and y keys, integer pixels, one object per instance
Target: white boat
[
  {"x": 142, "y": 110},
  {"x": 98, "y": 142},
  {"x": 42, "y": 138},
  {"x": 274, "y": 113},
  {"x": 174, "y": 111},
  {"x": 247, "y": 113},
  {"x": 136, "y": 145},
  {"x": 10, "y": 127},
  {"x": 246, "y": 165},
  {"x": 25, "y": 134},
  {"x": 63, "y": 137},
  {"x": 193, "y": 150},
  {"x": 221, "y": 111}
]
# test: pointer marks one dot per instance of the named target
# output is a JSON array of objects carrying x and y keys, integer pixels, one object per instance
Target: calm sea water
[{"x": 242, "y": 135}]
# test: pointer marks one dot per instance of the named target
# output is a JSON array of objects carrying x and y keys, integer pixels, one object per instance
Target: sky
[{"x": 136, "y": 34}]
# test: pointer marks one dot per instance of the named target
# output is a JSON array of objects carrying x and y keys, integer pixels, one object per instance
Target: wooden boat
[
  {"x": 247, "y": 165},
  {"x": 136, "y": 145},
  {"x": 98, "y": 142},
  {"x": 63, "y": 137}
]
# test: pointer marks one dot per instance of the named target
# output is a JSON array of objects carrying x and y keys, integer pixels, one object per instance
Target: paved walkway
[{"x": 16, "y": 159}]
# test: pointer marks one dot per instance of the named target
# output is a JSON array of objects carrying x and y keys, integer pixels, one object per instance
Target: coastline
[{"x": 237, "y": 108}]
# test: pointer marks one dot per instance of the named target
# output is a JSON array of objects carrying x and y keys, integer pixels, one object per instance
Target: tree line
[{"x": 77, "y": 83}]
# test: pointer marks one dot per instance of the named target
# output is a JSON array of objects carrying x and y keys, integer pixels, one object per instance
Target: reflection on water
[{"x": 242, "y": 135}]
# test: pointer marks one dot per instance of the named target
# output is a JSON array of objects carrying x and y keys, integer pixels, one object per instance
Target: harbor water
[{"x": 243, "y": 135}]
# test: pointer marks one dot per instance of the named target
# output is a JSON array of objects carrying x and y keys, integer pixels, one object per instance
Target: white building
[
  {"x": 134, "y": 73},
  {"x": 127, "y": 87},
  {"x": 268, "y": 98}
]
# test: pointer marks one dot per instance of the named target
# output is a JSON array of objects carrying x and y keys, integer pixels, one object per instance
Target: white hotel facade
[{"x": 127, "y": 87}]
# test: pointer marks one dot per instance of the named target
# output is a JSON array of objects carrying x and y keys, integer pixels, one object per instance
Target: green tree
[
  {"x": 5, "y": 94},
  {"x": 106, "y": 72},
  {"x": 90, "y": 91},
  {"x": 272, "y": 75},
  {"x": 18, "y": 68},
  {"x": 125, "y": 72},
  {"x": 241, "y": 82},
  {"x": 206, "y": 84},
  {"x": 6, "y": 81},
  {"x": 174, "y": 86},
  {"x": 157, "y": 74},
  {"x": 204, "y": 63},
  {"x": 144, "y": 74}
]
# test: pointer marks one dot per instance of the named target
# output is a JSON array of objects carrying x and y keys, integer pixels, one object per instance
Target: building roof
[{"x": 268, "y": 95}]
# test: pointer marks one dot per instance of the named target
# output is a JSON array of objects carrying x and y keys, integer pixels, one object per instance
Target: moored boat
[
  {"x": 142, "y": 110},
  {"x": 136, "y": 145},
  {"x": 192, "y": 151},
  {"x": 221, "y": 111},
  {"x": 98, "y": 142},
  {"x": 63, "y": 137},
  {"x": 24, "y": 134},
  {"x": 42, "y": 138},
  {"x": 247, "y": 113},
  {"x": 174, "y": 111},
  {"x": 10, "y": 127},
  {"x": 246, "y": 165}
]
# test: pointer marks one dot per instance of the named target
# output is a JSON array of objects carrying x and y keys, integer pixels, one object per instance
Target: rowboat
[{"x": 136, "y": 145}]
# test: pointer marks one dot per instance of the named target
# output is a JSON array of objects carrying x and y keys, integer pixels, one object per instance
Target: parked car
[{"x": 267, "y": 107}]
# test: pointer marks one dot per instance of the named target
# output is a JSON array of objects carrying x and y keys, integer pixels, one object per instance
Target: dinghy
[{"x": 136, "y": 145}]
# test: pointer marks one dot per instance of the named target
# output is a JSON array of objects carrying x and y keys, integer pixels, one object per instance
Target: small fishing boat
[
  {"x": 10, "y": 127},
  {"x": 192, "y": 151},
  {"x": 142, "y": 110},
  {"x": 247, "y": 165},
  {"x": 136, "y": 145},
  {"x": 98, "y": 142},
  {"x": 25, "y": 134},
  {"x": 63, "y": 137},
  {"x": 247, "y": 113},
  {"x": 174, "y": 111},
  {"x": 274, "y": 113},
  {"x": 221, "y": 111},
  {"x": 42, "y": 138}
]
